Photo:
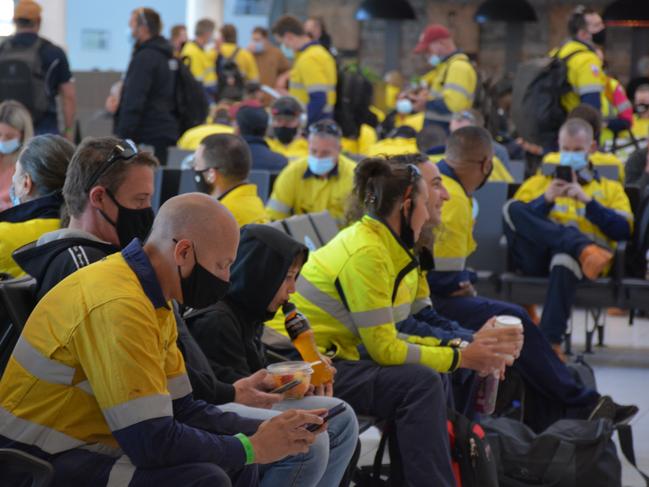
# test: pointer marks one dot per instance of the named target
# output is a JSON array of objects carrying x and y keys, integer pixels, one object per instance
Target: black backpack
[
  {"x": 354, "y": 94},
  {"x": 539, "y": 85},
  {"x": 22, "y": 78},
  {"x": 190, "y": 102},
  {"x": 230, "y": 84}
]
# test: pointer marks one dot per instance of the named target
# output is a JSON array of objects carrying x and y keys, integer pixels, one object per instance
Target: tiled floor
[{"x": 621, "y": 370}]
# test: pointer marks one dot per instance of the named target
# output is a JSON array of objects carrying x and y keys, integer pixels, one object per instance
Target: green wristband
[{"x": 247, "y": 446}]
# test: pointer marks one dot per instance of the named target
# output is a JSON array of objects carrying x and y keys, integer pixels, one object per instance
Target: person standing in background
[
  {"x": 16, "y": 129},
  {"x": 201, "y": 55},
  {"x": 270, "y": 60},
  {"x": 178, "y": 38}
]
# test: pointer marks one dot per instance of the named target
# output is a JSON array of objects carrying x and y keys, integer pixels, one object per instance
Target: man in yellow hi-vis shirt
[
  {"x": 201, "y": 55},
  {"x": 452, "y": 81},
  {"x": 313, "y": 76},
  {"x": 567, "y": 227}
]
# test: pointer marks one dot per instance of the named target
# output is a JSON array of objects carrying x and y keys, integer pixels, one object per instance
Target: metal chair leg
[
  {"x": 601, "y": 323},
  {"x": 567, "y": 338}
]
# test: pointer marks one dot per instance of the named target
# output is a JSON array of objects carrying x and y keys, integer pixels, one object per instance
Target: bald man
[
  {"x": 466, "y": 167},
  {"x": 97, "y": 386}
]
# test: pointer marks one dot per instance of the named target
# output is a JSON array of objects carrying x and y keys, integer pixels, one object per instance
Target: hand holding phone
[
  {"x": 286, "y": 387},
  {"x": 332, "y": 413},
  {"x": 564, "y": 173}
]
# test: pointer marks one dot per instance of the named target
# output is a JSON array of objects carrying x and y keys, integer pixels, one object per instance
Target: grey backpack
[{"x": 22, "y": 78}]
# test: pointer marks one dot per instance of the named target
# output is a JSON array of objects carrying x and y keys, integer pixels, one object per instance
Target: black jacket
[
  {"x": 263, "y": 158},
  {"x": 66, "y": 251},
  {"x": 230, "y": 331},
  {"x": 146, "y": 108},
  {"x": 636, "y": 175}
]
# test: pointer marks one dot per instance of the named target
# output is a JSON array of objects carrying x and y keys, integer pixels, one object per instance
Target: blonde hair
[{"x": 17, "y": 116}]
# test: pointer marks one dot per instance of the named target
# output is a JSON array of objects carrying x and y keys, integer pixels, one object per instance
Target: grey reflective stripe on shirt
[
  {"x": 445, "y": 264},
  {"x": 179, "y": 386},
  {"x": 507, "y": 216},
  {"x": 42, "y": 367},
  {"x": 401, "y": 312},
  {"x": 138, "y": 410},
  {"x": 295, "y": 86},
  {"x": 273, "y": 204},
  {"x": 460, "y": 89},
  {"x": 413, "y": 355},
  {"x": 625, "y": 214},
  {"x": 47, "y": 439},
  {"x": 420, "y": 304},
  {"x": 375, "y": 317},
  {"x": 625, "y": 105},
  {"x": 567, "y": 261},
  {"x": 85, "y": 387},
  {"x": 325, "y": 302},
  {"x": 320, "y": 88},
  {"x": 122, "y": 472},
  {"x": 438, "y": 117},
  {"x": 587, "y": 89}
]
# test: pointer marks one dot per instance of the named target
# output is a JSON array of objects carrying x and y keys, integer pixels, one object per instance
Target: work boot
[
  {"x": 609, "y": 409},
  {"x": 593, "y": 260}
]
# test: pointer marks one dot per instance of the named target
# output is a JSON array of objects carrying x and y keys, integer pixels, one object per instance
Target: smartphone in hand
[
  {"x": 286, "y": 387},
  {"x": 332, "y": 413},
  {"x": 564, "y": 173}
]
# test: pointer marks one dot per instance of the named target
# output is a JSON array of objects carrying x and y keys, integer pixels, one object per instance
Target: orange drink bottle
[{"x": 301, "y": 334}]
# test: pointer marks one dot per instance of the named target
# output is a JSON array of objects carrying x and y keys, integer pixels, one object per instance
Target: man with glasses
[
  {"x": 107, "y": 191},
  {"x": 146, "y": 109},
  {"x": 321, "y": 181},
  {"x": 98, "y": 387}
]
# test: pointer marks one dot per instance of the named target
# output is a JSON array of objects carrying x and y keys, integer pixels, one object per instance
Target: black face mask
[
  {"x": 131, "y": 223},
  {"x": 201, "y": 288},
  {"x": 599, "y": 38},
  {"x": 202, "y": 186},
  {"x": 484, "y": 181},
  {"x": 641, "y": 108},
  {"x": 285, "y": 134}
]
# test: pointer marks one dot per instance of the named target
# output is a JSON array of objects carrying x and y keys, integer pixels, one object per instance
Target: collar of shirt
[
  {"x": 334, "y": 172},
  {"x": 139, "y": 263},
  {"x": 447, "y": 170},
  {"x": 48, "y": 206},
  {"x": 449, "y": 56},
  {"x": 220, "y": 198},
  {"x": 307, "y": 45}
]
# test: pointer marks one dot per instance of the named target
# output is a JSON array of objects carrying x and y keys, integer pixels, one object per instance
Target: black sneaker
[{"x": 609, "y": 409}]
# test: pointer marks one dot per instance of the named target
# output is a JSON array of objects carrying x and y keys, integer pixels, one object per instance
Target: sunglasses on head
[
  {"x": 124, "y": 150},
  {"x": 330, "y": 128}
]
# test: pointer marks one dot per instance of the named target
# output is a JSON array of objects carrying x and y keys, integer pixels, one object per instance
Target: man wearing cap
[
  {"x": 51, "y": 75},
  {"x": 252, "y": 123},
  {"x": 321, "y": 181},
  {"x": 287, "y": 115},
  {"x": 452, "y": 81}
]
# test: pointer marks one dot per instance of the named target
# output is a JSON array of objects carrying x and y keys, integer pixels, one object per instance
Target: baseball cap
[
  {"x": 287, "y": 106},
  {"x": 432, "y": 33},
  {"x": 252, "y": 120},
  {"x": 28, "y": 10}
]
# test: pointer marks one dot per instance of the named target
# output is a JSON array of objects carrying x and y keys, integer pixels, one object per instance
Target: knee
[
  {"x": 420, "y": 377},
  {"x": 512, "y": 210}
]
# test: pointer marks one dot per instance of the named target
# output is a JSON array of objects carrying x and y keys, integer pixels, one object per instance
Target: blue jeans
[{"x": 326, "y": 461}]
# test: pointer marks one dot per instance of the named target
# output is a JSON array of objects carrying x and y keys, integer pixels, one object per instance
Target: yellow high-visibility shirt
[
  {"x": 596, "y": 158},
  {"x": 245, "y": 60},
  {"x": 245, "y": 204},
  {"x": 314, "y": 71},
  {"x": 361, "y": 145},
  {"x": 296, "y": 149},
  {"x": 202, "y": 63},
  {"x": 393, "y": 147},
  {"x": 455, "y": 81},
  {"x": 585, "y": 73},
  {"x": 191, "y": 139}
]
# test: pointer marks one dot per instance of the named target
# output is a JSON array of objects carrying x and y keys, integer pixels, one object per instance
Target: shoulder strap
[
  {"x": 625, "y": 436},
  {"x": 232, "y": 56}
]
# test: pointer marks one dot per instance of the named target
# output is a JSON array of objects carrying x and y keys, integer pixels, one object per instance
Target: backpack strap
[{"x": 625, "y": 436}]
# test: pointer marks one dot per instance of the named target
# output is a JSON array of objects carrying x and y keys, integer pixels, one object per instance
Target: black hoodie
[
  {"x": 230, "y": 331},
  {"x": 147, "y": 104}
]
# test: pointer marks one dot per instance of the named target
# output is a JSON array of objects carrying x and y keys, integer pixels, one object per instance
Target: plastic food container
[{"x": 285, "y": 372}]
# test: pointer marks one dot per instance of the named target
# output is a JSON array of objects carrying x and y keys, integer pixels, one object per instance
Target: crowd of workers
[{"x": 145, "y": 358}]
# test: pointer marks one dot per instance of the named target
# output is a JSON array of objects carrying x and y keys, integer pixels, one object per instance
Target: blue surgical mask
[
  {"x": 258, "y": 47},
  {"x": 9, "y": 146},
  {"x": 577, "y": 160},
  {"x": 320, "y": 165},
  {"x": 404, "y": 106},
  {"x": 434, "y": 60},
  {"x": 15, "y": 200},
  {"x": 288, "y": 52}
]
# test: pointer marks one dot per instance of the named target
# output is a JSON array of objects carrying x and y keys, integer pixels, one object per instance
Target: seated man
[
  {"x": 286, "y": 120},
  {"x": 596, "y": 157},
  {"x": 36, "y": 196},
  {"x": 90, "y": 237},
  {"x": 112, "y": 320},
  {"x": 400, "y": 141},
  {"x": 219, "y": 122},
  {"x": 320, "y": 181},
  {"x": 263, "y": 277},
  {"x": 222, "y": 165},
  {"x": 464, "y": 171},
  {"x": 568, "y": 227},
  {"x": 252, "y": 123}
]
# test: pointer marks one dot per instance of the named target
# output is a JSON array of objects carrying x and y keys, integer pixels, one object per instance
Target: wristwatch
[{"x": 458, "y": 343}]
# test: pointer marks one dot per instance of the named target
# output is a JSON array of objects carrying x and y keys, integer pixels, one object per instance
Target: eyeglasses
[
  {"x": 125, "y": 150},
  {"x": 325, "y": 127},
  {"x": 413, "y": 172}
]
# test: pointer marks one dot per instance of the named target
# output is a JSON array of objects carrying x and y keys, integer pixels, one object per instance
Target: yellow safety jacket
[
  {"x": 585, "y": 72},
  {"x": 356, "y": 288},
  {"x": 297, "y": 190},
  {"x": 414, "y": 120},
  {"x": 393, "y": 147},
  {"x": 25, "y": 223},
  {"x": 314, "y": 70},
  {"x": 191, "y": 139},
  {"x": 454, "y": 81},
  {"x": 296, "y": 149},
  {"x": 95, "y": 356},
  {"x": 596, "y": 158},
  {"x": 568, "y": 211},
  {"x": 361, "y": 145},
  {"x": 245, "y": 60},
  {"x": 245, "y": 204},
  {"x": 202, "y": 63}
]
